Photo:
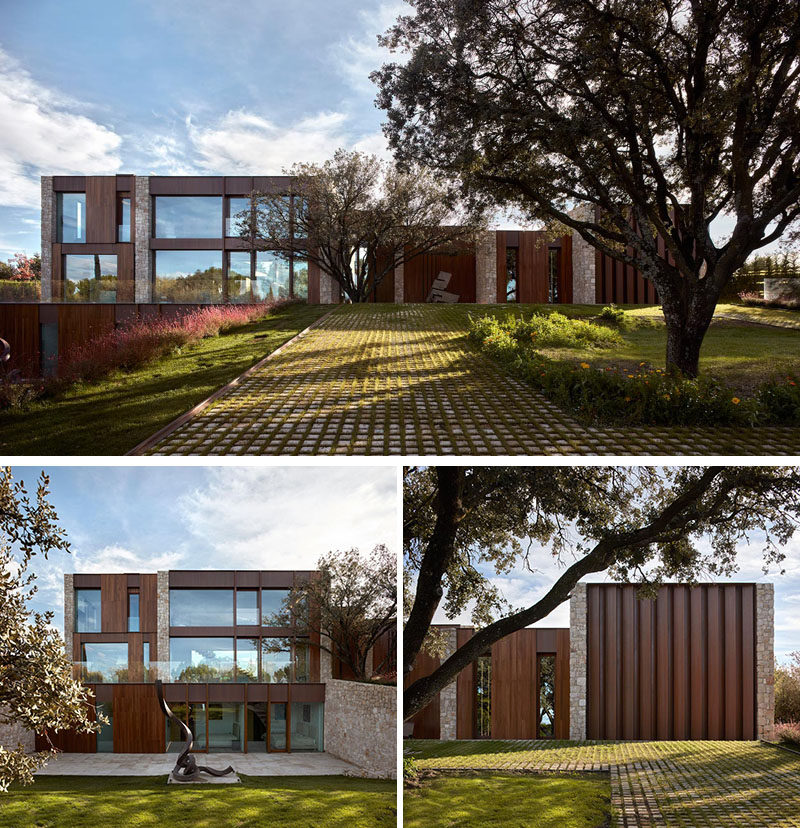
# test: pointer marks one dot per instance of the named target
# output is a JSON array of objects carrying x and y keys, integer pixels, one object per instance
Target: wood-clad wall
[
  {"x": 419, "y": 273},
  {"x": 515, "y": 683},
  {"x": 101, "y": 209},
  {"x": 426, "y": 722},
  {"x": 681, "y": 666},
  {"x": 621, "y": 283},
  {"x": 148, "y": 604},
  {"x": 533, "y": 266},
  {"x": 465, "y": 692},
  {"x": 19, "y": 326},
  {"x": 114, "y": 603},
  {"x": 138, "y": 720}
]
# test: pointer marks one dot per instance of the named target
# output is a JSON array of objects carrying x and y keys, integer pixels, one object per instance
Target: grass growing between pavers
[
  {"x": 103, "y": 802},
  {"x": 113, "y": 415},
  {"x": 494, "y": 800}
]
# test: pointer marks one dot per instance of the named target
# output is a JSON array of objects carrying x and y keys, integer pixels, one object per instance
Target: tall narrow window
[
  {"x": 124, "y": 219},
  {"x": 512, "y": 275},
  {"x": 553, "y": 262},
  {"x": 483, "y": 724},
  {"x": 133, "y": 612},
  {"x": 247, "y": 606},
  {"x": 87, "y": 610},
  {"x": 546, "y": 672},
  {"x": 71, "y": 208},
  {"x": 146, "y": 661}
]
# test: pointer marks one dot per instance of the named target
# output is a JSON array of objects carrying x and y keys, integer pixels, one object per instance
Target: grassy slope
[
  {"x": 112, "y": 416},
  {"x": 302, "y": 802},
  {"x": 495, "y": 800},
  {"x": 740, "y": 355}
]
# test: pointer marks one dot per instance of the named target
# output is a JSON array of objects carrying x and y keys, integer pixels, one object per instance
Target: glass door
[{"x": 277, "y": 727}]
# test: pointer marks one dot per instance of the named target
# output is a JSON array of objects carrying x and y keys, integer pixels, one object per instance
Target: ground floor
[{"x": 676, "y": 784}]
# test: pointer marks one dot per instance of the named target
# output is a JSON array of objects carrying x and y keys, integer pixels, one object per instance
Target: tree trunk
[{"x": 687, "y": 323}]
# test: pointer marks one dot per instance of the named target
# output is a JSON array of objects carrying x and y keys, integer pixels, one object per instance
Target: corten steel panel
[
  {"x": 188, "y": 244},
  {"x": 148, "y": 604},
  {"x": 419, "y": 273},
  {"x": 238, "y": 184},
  {"x": 248, "y": 578},
  {"x": 313, "y": 283},
  {"x": 561, "y": 730},
  {"x": 186, "y": 185},
  {"x": 257, "y": 692},
  {"x": 465, "y": 692},
  {"x": 19, "y": 326},
  {"x": 133, "y": 580},
  {"x": 305, "y": 692},
  {"x": 685, "y": 663},
  {"x": 565, "y": 271},
  {"x": 272, "y": 183},
  {"x": 532, "y": 266},
  {"x": 101, "y": 209},
  {"x": 279, "y": 692},
  {"x": 201, "y": 579},
  {"x": 138, "y": 720},
  {"x": 280, "y": 580},
  {"x": 502, "y": 243},
  {"x": 197, "y": 692},
  {"x": 105, "y": 249},
  {"x": 69, "y": 183},
  {"x": 125, "y": 183},
  {"x": 226, "y": 692},
  {"x": 426, "y": 722},
  {"x": 114, "y": 603},
  {"x": 175, "y": 692}
]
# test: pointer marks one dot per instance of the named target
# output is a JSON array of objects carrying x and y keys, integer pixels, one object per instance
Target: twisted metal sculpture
[
  {"x": 186, "y": 768},
  {"x": 5, "y": 351}
]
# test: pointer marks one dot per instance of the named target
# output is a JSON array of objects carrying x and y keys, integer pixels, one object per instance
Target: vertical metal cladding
[{"x": 681, "y": 666}]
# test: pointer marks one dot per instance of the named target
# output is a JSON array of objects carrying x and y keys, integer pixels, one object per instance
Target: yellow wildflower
[
  {"x": 584, "y": 365},
  {"x": 735, "y": 400}
]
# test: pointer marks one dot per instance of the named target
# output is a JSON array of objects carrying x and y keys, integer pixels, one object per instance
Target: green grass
[
  {"x": 122, "y": 802},
  {"x": 112, "y": 416},
  {"x": 495, "y": 800}
]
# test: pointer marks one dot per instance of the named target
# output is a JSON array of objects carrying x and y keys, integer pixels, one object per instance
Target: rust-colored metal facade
[{"x": 681, "y": 666}]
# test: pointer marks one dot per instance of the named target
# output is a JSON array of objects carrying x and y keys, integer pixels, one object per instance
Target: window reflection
[
  {"x": 71, "y": 209},
  {"x": 302, "y": 660},
  {"x": 225, "y": 727},
  {"x": 188, "y": 276},
  {"x": 276, "y": 660},
  {"x": 90, "y": 278},
  {"x": 201, "y": 659},
  {"x": 188, "y": 217},
  {"x": 272, "y": 605},
  {"x": 124, "y": 226},
  {"x": 307, "y": 726},
  {"x": 236, "y": 206},
  {"x": 246, "y": 606},
  {"x": 104, "y": 662},
  {"x": 246, "y": 659},
  {"x": 240, "y": 281},
  {"x": 300, "y": 278},
  {"x": 87, "y": 610},
  {"x": 272, "y": 276},
  {"x": 201, "y": 607}
]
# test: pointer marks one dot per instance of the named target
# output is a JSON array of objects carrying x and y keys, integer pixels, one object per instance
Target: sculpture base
[{"x": 205, "y": 779}]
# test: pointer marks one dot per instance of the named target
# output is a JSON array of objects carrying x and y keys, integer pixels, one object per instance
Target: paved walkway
[
  {"x": 380, "y": 380},
  {"x": 155, "y": 764},
  {"x": 686, "y": 784}
]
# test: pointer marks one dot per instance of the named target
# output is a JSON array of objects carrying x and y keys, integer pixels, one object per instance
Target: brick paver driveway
[
  {"x": 390, "y": 379},
  {"x": 686, "y": 784}
]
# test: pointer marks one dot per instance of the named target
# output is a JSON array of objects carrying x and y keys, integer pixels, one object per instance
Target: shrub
[
  {"x": 757, "y": 300},
  {"x": 787, "y": 691},
  {"x": 410, "y": 770},
  {"x": 644, "y": 395},
  {"x": 547, "y": 330},
  {"x": 16, "y": 290},
  {"x": 788, "y": 733},
  {"x": 613, "y": 315}
]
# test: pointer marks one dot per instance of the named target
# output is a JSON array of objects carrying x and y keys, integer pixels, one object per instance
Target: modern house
[
  {"x": 241, "y": 684},
  {"x": 692, "y": 663}
]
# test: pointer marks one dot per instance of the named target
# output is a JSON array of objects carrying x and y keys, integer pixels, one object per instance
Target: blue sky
[{"x": 142, "y": 519}]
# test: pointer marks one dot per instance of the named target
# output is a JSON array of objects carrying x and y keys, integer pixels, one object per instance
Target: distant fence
[{"x": 38, "y": 333}]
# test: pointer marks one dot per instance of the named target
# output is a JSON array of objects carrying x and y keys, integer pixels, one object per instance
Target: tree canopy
[
  {"x": 37, "y": 690},
  {"x": 641, "y": 524},
  {"x": 659, "y": 115},
  {"x": 358, "y": 218}
]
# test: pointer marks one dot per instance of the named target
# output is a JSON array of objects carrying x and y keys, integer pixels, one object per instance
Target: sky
[
  {"x": 521, "y": 588},
  {"x": 145, "y": 519}
]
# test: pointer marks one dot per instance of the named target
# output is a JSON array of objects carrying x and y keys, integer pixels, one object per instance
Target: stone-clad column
[
  {"x": 69, "y": 613},
  {"x": 399, "y": 284},
  {"x": 448, "y": 701},
  {"x": 577, "y": 663},
  {"x": 583, "y": 262},
  {"x": 486, "y": 269},
  {"x": 765, "y": 661},
  {"x": 49, "y": 235},
  {"x": 143, "y": 257},
  {"x": 325, "y": 661},
  {"x": 162, "y": 634}
]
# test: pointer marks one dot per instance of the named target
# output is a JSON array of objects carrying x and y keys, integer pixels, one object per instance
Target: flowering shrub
[
  {"x": 787, "y": 691},
  {"x": 788, "y": 732},
  {"x": 645, "y": 395},
  {"x": 757, "y": 300}
]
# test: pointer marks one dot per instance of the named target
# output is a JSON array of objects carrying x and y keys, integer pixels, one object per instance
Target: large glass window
[
  {"x": 272, "y": 276},
  {"x": 104, "y": 662},
  {"x": 188, "y": 276},
  {"x": 87, "y": 610},
  {"x": 272, "y": 604},
  {"x": 302, "y": 660},
  {"x": 277, "y": 726},
  {"x": 300, "y": 278},
  {"x": 235, "y": 207},
  {"x": 201, "y": 659},
  {"x": 247, "y": 659},
  {"x": 256, "y": 727},
  {"x": 133, "y": 612},
  {"x": 201, "y": 607},
  {"x": 246, "y": 606},
  {"x": 276, "y": 660},
  {"x": 512, "y": 274},
  {"x": 240, "y": 282},
  {"x": 195, "y": 717},
  {"x": 71, "y": 208},
  {"x": 124, "y": 218},
  {"x": 307, "y": 726},
  {"x": 90, "y": 278},
  {"x": 188, "y": 217},
  {"x": 105, "y": 738},
  {"x": 225, "y": 727}
]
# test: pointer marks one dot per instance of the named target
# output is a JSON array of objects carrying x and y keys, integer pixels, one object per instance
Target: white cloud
[
  {"x": 43, "y": 133},
  {"x": 114, "y": 558}
]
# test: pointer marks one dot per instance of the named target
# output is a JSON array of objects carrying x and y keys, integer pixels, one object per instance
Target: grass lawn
[
  {"x": 297, "y": 801},
  {"x": 495, "y": 800},
  {"x": 739, "y": 352},
  {"x": 112, "y": 416}
]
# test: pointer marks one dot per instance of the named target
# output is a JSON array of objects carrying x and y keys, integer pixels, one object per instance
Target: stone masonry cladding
[
  {"x": 448, "y": 695},
  {"x": 69, "y": 612},
  {"x": 583, "y": 263},
  {"x": 577, "y": 663},
  {"x": 162, "y": 617},
  {"x": 765, "y": 661},
  {"x": 143, "y": 272},
  {"x": 49, "y": 230},
  {"x": 486, "y": 269}
]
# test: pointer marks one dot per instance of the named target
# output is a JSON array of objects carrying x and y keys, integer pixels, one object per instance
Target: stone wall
[
  {"x": 448, "y": 704},
  {"x": 577, "y": 663},
  {"x": 328, "y": 289},
  {"x": 361, "y": 725},
  {"x": 162, "y": 634},
  {"x": 49, "y": 230},
  {"x": 486, "y": 269},
  {"x": 143, "y": 257},
  {"x": 583, "y": 262},
  {"x": 69, "y": 613},
  {"x": 12, "y": 735},
  {"x": 399, "y": 284},
  {"x": 765, "y": 661}
]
